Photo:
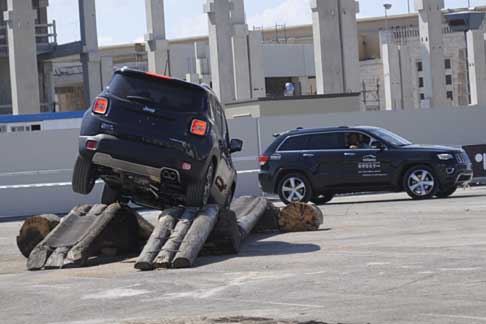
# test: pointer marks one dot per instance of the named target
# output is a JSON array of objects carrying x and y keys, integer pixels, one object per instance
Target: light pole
[
  {"x": 387, "y": 7},
  {"x": 408, "y": 2}
]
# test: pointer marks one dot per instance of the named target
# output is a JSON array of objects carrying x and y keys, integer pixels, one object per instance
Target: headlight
[{"x": 445, "y": 156}]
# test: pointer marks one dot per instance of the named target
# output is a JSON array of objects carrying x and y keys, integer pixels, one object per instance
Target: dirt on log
[
  {"x": 300, "y": 217},
  {"x": 34, "y": 230}
]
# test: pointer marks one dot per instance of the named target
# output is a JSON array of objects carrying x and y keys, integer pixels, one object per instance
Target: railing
[
  {"x": 45, "y": 34},
  {"x": 68, "y": 70}
]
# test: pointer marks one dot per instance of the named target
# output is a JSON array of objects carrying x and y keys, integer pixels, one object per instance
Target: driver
[{"x": 358, "y": 141}]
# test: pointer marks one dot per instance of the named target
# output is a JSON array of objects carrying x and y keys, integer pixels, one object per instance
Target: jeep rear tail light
[
  {"x": 263, "y": 159},
  {"x": 199, "y": 127},
  {"x": 160, "y": 76},
  {"x": 100, "y": 106},
  {"x": 91, "y": 145}
]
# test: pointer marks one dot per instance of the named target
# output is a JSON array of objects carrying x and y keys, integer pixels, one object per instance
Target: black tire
[
  {"x": 323, "y": 199},
  {"x": 111, "y": 195},
  {"x": 199, "y": 194},
  {"x": 305, "y": 193},
  {"x": 84, "y": 176},
  {"x": 446, "y": 193},
  {"x": 420, "y": 182}
]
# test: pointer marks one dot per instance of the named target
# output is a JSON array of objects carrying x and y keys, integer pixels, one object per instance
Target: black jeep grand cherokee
[
  {"x": 157, "y": 142},
  {"x": 315, "y": 164}
]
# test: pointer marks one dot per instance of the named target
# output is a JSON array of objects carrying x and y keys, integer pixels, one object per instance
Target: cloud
[
  {"x": 189, "y": 26},
  {"x": 289, "y": 12}
]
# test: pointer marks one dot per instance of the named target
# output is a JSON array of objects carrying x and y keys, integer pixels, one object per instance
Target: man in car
[{"x": 358, "y": 141}]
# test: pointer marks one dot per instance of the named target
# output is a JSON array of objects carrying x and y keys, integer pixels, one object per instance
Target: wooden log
[
  {"x": 42, "y": 251},
  {"x": 226, "y": 237},
  {"x": 268, "y": 223},
  {"x": 34, "y": 230},
  {"x": 167, "y": 220},
  {"x": 145, "y": 228},
  {"x": 79, "y": 253},
  {"x": 170, "y": 248},
  {"x": 196, "y": 237},
  {"x": 249, "y": 216},
  {"x": 300, "y": 217},
  {"x": 56, "y": 260}
]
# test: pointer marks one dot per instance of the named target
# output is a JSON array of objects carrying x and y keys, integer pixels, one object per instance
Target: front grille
[{"x": 462, "y": 158}]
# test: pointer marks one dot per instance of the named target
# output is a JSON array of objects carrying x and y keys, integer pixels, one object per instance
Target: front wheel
[
  {"x": 447, "y": 192},
  {"x": 294, "y": 187},
  {"x": 420, "y": 182}
]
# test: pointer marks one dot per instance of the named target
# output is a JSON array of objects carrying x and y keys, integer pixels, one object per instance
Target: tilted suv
[
  {"x": 157, "y": 142},
  {"x": 315, "y": 164}
]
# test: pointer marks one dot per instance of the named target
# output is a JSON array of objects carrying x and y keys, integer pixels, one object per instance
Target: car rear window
[
  {"x": 163, "y": 94},
  {"x": 328, "y": 141},
  {"x": 296, "y": 143}
]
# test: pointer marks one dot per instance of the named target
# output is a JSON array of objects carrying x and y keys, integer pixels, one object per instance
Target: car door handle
[
  {"x": 308, "y": 155},
  {"x": 349, "y": 154}
]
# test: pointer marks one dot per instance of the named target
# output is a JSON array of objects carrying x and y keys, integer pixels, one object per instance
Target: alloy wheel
[
  {"x": 294, "y": 190},
  {"x": 421, "y": 183}
]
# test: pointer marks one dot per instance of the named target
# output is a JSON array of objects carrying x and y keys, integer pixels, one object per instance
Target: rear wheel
[
  {"x": 420, "y": 182},
  {"x": 198, "y": 194},
  {"x": 323, "y": 199},
  {"x": 447, "y": 192},
  {"x": 84, "y": 176},
  {"x": 294, "y": 187}
]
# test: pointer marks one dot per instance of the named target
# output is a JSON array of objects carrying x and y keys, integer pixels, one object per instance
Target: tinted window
[
  {"x": 329, "y": 141},
  {"x": 160, "y": 93},
  {"x": 296, "y": 143}
]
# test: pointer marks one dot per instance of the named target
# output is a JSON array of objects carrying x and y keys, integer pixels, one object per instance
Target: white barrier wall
[{"x": 35, "y": 168}]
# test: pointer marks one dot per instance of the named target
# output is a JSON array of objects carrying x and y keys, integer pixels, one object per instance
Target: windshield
[
  {"x": 156, "y": 93},
  {"x": 389, "y": 137}
]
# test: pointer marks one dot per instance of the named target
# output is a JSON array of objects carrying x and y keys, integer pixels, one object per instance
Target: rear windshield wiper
[{"x": 140, "y": 99}]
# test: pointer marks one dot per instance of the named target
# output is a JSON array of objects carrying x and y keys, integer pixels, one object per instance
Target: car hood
[{"x": 433, "y": 148}]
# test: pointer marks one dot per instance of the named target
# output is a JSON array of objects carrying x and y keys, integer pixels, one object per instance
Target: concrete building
[{"x": 392, "y": 70}]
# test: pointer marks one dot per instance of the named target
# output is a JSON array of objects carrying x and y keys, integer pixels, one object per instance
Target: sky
[{"x": 123, "y": 21}]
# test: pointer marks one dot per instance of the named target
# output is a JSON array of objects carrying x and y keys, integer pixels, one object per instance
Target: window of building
[
  {"x": 422, "y": 96},
  {"x": 447, "y": 64},
  {"x": 420, "y": 67},
  {"x": 421, "y": 82},
  {"x": 448, "y": 79},
  {"x": 450, "y": 95},
  {"x": 16, "y": 129},
  {"x": 35, "y": 128},
  {"x": 3, "y": 129}
]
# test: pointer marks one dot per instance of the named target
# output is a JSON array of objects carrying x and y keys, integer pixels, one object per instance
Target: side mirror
[
  {"x": 377, "y": 145},
  {"x": 236, "y": 145}
]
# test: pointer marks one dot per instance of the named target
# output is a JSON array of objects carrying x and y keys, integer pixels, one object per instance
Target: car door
[
  {"x": 225, "y": 173},
  {"x": 324, "y": 159},
  {"x": 365, "y": 165}
]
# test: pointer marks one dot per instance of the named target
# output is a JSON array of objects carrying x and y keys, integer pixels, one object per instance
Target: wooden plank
[
  {"x": 39, "y": 255},
  {"x": 226, "y": 237},
  {"x": 249, "y": 217},
  {"x": 34, "y": 230},
  {"x": 145, "y": 228},
  {"x": 171, "y": 247},
  {"x": 56, "y": 260},
  {"x": 159, "y": 236},
  {"x": 196, "y": 237},
  {"x": 80, "y": 252}
]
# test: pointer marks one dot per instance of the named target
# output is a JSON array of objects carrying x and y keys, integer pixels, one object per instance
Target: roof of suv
[
  {"x": 313, "y": 130},
  {"x": 204, "y": 87}
]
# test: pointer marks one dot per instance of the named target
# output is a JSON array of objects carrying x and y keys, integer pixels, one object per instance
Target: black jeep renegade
[
  {"x": 157, "y": 142},
  {"x": 315, "y": 164}
]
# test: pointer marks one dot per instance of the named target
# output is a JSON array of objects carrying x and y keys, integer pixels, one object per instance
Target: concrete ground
[{"x": 377, "y": 259}]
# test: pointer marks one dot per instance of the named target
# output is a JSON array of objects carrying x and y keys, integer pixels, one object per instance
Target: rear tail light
[
  {"x": 263, "y": 159},
  {"x": 160, "y": 76},
  {"x": 199, "y": 127},
  {"x": 100, "y": 106},
  {"x": 91, "y": 145}
]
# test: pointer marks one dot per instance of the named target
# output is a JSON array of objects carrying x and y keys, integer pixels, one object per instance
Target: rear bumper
[
  {"x": 140, "y": 158},
  {"x": 267, "y": 183}
]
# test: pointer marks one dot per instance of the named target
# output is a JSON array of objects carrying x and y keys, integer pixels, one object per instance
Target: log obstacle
[
  {"x": 179, "y": 237},
  {"x": 85, "y": 232},
  {"x": 34, "y": 230},
  {"x": 300, "y": 217}
]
